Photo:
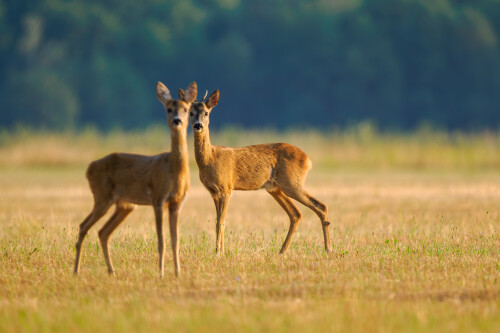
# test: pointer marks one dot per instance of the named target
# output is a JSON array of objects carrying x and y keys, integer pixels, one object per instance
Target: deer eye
[
  {"x": 169, "y": 110},
  {"x": 191, "y": 114},
  {"x": 206, "y": 113}
]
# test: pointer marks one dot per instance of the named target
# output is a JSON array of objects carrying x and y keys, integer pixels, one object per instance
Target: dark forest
[{"x": 280, "y": 64}]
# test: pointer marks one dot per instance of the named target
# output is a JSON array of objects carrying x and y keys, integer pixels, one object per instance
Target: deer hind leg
[
  {"x": 221, "y": 201},
  {"x": 121, "y": 212},
  {"x": 173, "y": 220},
  {"x": 100, "y": 208},
  {"x": 292, "y": 211},
  {"x": 316, "y": 206}
]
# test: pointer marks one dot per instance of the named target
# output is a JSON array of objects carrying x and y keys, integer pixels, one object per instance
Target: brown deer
[
  {"x": 280, "y": 168},
  {"x": 127, "y": 180}
]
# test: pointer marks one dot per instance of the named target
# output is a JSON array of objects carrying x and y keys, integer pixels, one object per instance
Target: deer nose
[
  {"x": 198, "y": 126},
  {"x": 176, "y": 121}
]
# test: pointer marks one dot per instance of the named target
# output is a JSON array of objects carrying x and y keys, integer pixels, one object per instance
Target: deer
[
  {"x": 127, "y": 180},
  {"x": 279, "y": 168}
]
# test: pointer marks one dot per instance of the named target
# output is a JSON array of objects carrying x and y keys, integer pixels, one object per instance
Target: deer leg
[
  {"x": 122, "y": 211},
  {"x": 292, "y": 211},
  {"x": 158, "y": 209},
  {"x": 99, "y": 210},
  {"x": 221, "y": 202},
  {"x": 316, "y": 206},
  {"x": 173, "y": 220}
]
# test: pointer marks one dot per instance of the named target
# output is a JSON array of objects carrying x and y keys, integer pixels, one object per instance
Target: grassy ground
[{"x": 416, "y": 244}]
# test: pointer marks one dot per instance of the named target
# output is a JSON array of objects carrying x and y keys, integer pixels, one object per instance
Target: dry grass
[{"x": 413, "y": 250}]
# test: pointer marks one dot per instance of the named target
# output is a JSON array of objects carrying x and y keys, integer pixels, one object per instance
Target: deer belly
[
  {"x": 138, "y": 195},
  {"x": 254, "y": 180}
]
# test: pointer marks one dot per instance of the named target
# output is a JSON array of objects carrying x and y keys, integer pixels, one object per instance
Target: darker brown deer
[
  {"x": 127, "y": 180},
  {"x": 280, "y": 168}
]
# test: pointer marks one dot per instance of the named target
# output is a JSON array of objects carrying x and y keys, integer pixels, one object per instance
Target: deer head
[
  {"x": 177, "y": 110},
  {"x": 199, "y": 113}
]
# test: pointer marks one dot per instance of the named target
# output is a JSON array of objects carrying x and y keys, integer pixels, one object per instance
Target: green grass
[
  {"x": 360, "y": 147},
  {"x": 416, "y": 248}
]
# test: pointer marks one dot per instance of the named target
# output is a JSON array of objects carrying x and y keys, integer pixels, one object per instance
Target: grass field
[{"x": 415, "y": 234}]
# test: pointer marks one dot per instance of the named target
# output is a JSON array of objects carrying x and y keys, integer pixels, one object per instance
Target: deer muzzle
[{"x": 197, "y": 126}]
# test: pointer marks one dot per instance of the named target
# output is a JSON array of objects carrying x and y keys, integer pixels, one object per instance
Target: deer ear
[
  {"x": 162, "y": 92},
  {"x": 181, "y": 93},
  {"x": 190, "y": 93},
  {"x": 213, "y": 99}
]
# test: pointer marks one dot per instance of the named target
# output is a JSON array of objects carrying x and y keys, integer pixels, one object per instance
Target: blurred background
[{"x": 70, "y": 64}]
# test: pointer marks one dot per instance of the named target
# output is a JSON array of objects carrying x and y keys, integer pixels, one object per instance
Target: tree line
[{"x": 67, "y": 64}]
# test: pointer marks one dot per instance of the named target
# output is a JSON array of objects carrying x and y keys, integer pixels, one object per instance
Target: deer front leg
[
  {"x": 159, "y": 232},
  {"x": 221, "y": 201},
  {"x": 173, "y": 212}
]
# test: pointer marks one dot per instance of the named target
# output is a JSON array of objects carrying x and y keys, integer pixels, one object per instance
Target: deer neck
[
  {"x": 202, "y": 148},
  {"x": 179, "y": 150}
]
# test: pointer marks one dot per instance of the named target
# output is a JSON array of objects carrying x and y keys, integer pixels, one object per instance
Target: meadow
[{"x": 415, "y": 239}]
